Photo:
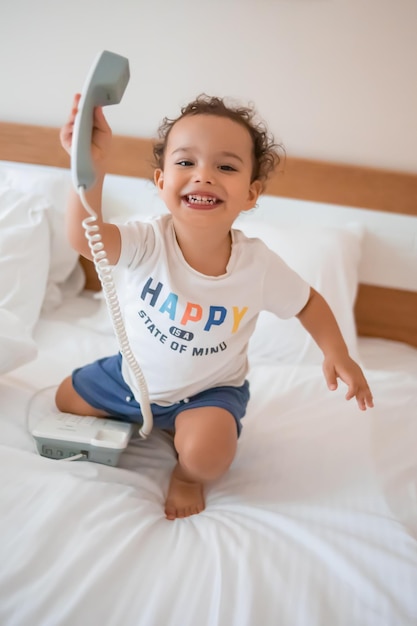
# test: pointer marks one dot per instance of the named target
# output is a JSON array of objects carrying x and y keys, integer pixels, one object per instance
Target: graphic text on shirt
[{"x": 213, "y": 315}]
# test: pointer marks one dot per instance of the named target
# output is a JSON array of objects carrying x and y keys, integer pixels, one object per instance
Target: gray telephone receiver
[{"x": 105, "y": 84}]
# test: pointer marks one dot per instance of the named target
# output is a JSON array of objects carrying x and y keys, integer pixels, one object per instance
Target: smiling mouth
[{"x": 199, "y": 201}]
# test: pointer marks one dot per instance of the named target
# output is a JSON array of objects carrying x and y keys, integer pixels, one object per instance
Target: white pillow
[
  {"x": 24, "y": 263},
  {"x": 328, "y": 258},
  {"x": 53, "y": 185}
]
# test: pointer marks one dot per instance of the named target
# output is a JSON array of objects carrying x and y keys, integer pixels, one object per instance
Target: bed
[{"x": 315, "y": 524}]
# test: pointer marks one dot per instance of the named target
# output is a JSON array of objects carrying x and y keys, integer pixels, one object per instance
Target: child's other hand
[
  {"x": 349, "y": 371},
  {"x": 101, "y": 137}
]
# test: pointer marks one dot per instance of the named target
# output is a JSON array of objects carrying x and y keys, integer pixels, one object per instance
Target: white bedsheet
[{"x": 315, "y": 524}]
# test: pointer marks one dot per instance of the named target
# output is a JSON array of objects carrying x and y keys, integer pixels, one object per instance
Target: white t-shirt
[{"x": 189, "y": 332}]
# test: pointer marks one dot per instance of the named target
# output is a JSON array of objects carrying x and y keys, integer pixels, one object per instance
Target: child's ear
[
  {"x": 255, "y": 191},
  {"x": 158, "y": 178}
]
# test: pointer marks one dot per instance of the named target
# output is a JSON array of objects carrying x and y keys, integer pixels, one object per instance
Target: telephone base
[{"x": 100, "y": 440}]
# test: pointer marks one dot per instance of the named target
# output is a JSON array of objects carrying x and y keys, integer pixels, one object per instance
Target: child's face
[{"x": 207, "y": 171}]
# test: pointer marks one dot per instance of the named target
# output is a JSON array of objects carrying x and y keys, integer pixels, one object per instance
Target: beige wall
[{"x": 335, "y": 79}]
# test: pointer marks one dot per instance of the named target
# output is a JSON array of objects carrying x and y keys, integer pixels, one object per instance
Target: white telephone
[{"x": 105, "y": 85}]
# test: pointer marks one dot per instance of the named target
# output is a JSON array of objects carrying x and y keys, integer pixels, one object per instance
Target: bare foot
[{"x": 184, "y": 498}]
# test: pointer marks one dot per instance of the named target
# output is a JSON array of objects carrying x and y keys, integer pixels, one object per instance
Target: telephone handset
[{"x": 105, "y": 84}]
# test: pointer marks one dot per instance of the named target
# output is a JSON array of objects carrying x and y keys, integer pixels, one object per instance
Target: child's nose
[{"x": 204, "y": 174}]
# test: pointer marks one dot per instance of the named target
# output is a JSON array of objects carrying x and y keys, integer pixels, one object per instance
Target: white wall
[{"x": 335, "y": 79}]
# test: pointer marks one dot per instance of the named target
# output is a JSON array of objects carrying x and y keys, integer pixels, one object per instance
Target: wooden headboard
[{"x": 379, "y": 311}]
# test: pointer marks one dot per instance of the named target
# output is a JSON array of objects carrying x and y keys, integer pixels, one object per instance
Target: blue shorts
[{"x": 101, "y": 384}]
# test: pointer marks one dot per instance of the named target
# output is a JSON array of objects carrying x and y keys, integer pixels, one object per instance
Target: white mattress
[{"x": 315, "y": 524}]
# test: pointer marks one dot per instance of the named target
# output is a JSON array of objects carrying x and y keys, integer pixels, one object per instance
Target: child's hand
[
  {"x": 349, "y": 371},
  {"x": 101, "y": 137}
]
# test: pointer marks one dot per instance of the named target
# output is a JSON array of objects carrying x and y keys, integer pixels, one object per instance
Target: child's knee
[
  {"x": 202, "y": 471},
  {"x": 67, "y": 400},
  {"x": 206, "y": 440},
  {"x": 63, "y": 395},
  {"x": 204, "y": 463}
]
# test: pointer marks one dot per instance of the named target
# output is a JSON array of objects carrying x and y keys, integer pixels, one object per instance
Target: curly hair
[{"x": 265, "y": 151}]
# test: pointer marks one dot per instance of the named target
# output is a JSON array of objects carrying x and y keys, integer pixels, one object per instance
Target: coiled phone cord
[{"x": 104, "y": 271}]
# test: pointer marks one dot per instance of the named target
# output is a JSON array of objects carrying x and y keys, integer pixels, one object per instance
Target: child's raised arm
[
  {"x": 100, "y": 146},
  {"x": 318, "y": 319}
]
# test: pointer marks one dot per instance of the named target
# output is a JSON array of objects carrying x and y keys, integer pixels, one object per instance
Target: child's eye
[
  {"x": 184, "y": 163},
  {"x": 228, "y": 168}
]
